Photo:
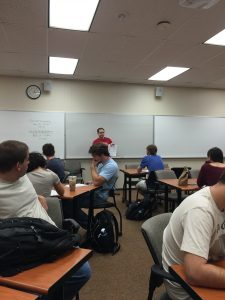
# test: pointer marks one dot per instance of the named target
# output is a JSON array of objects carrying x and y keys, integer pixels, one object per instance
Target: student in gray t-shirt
[{"x": 43, "y": 179}]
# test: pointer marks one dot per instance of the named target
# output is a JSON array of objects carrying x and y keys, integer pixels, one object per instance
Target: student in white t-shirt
[
  {"x": 195, "y": 234},
  {"x": 19, "y": 199}
]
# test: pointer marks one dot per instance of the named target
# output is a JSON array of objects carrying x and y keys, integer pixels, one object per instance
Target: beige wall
[{"x": 82, "y": 96}]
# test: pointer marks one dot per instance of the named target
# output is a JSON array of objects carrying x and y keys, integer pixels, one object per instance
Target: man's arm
[
  {"x": 139, "y": 169},
  {"x": 200, "y": 273},
  {"x": 96, "y": 178}
]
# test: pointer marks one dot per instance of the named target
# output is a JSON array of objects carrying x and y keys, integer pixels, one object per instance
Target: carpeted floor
[{"x": 125, "y": 275}]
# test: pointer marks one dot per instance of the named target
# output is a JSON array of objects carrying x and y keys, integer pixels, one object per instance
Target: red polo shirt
[{"x": 104, "y": 140}]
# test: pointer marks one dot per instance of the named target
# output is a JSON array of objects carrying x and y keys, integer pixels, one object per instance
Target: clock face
[{"x": 33, "y": 92}]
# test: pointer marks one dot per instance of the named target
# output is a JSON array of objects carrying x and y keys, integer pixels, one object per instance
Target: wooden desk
[
  {"x": 48, "y": 278},
  {"x": 11, "y": 294},
  {"x": 128, "y": 175},
  {"x": 71, "y": 196},
  {"x": 173, "y": 183},
  {"x": 197, "y": 293}
]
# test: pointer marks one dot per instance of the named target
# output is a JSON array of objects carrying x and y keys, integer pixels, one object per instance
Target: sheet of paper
[
  {"x": 81, "y": 184},
  {"x": 54, "y": 193},
  {"x": 113, "y": 150}
]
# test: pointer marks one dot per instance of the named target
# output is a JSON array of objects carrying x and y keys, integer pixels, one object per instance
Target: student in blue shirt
[
  {"x": 104, "y": 173},
  {"x": 152, "y": 161}
]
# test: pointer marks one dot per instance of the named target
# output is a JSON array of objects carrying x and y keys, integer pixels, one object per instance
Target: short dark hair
[
  {"x": 48, "y": 149},
  {"x": 215, "y": 154},
  {"x": 99, "y": 149},
  {"x": 11, "y": 153},
  {"x": 100, "y": 129},
  {"x": 36, "y": 160},
  {"x": 151, "y": 149}
]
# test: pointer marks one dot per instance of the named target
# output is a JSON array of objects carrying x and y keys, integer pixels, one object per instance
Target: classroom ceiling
[{"x": 125, "y": 43}]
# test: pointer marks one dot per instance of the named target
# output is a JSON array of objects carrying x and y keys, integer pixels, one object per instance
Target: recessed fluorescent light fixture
[
  {"x": 218, "y": 39},
  {"x": 62, "y": 65},
  {"x": 168, "y": 73},
  {"x": 72, "y": 14}
]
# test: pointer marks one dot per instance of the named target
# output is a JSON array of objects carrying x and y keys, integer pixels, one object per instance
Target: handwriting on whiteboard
[{"x": 41, "y": 129}]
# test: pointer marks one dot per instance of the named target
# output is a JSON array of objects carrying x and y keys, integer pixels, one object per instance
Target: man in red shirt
[{"x": 101, "y": 137}]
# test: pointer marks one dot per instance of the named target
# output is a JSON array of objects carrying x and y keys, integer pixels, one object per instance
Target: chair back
[
  {"x": 73, "y": 166},
  {"x": 152, "y": 230},
  {"x": 165, "y": 174},
  {"x": 55, "y": 210},
  {"x": 194, "y": 173}
]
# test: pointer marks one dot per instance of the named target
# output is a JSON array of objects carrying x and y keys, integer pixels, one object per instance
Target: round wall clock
[{"x": 33, "y": 92}]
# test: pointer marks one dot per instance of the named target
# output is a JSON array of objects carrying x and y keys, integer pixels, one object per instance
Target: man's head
[
  {"x": 36, "y": 160},
  {"x": 215, "y": 154},
  {"x": 101, "y": 132},
  {"x": 14, "y": 157},
  {"x": 99, "y": 152},
  {"x": 151, "y": 149},
  {"x": 48, "y": 150}
]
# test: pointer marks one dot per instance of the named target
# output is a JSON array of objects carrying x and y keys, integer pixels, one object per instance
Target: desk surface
[
  {"x": 134, "y": 171},
  {"x": 191, "y": 186},
  {"x": 40, "y": 279},
  {"x": 11, "y": 294},
  {"x": 197, "y": 293},
  {"x": 78, "y": 191}
]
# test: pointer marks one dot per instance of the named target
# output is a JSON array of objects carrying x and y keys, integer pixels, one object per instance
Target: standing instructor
[{"x": 101, "y": 137}]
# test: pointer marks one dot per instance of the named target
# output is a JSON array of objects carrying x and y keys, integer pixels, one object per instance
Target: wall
[{"x": 84, "y": 96}]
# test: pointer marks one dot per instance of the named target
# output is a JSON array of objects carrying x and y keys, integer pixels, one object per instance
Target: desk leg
[
  {"x": 90, "y": 215},
  {"x": 124, "y": 188},
  {"x": 129, "y": 187},
  {"x": 166, "y": 198},
  {"x": 179, "y": 199}
]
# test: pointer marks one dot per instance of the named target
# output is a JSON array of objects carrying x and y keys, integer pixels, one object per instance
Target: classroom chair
[
  {"x": 55, "y": 212},
  {"x": 110, "y": 204},
  {"x": 152, "y": 231},
  {"x": 73, "y": 166}
]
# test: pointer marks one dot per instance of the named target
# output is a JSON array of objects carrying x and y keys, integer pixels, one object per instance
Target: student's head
[
  {"x": 101, "y": 132},
  {"x": 215, "y": 155},
  {"x": 36, "y": 160},
  {"x": 99, "y": 151},
  {"x": 14, "y": 155},
  {"x": 151, "y": 149},
  {"x": 48, "y": 150}
]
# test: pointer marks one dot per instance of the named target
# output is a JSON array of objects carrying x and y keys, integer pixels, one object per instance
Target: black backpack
[
  {"x": 104, "y": 232},
  {"x": 140, "y": 210},
  {"x": 28, "y": 242}
]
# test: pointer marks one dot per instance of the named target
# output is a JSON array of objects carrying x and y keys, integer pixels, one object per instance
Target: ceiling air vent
[{"x": 203, "y": 4}]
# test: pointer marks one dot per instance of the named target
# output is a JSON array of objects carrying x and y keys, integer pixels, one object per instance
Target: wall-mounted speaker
[
  {"x": 47, "y": 86},
  {"x": 159, "y": 91}
]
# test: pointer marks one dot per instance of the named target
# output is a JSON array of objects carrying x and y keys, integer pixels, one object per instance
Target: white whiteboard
[
  {"x": 34, "y": 128},
  {"x": 188, "y": 136},
  {"x": 132, "y": 133}
]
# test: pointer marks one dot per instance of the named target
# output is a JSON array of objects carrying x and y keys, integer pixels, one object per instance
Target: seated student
[
  {"x": 19, "y": 199},
  {"x": 104, "y": 172},
  {"x": 53, "y": 163},
  {"x": 152, "y": 161},
  {"x": 195, "y": 235},
  {"x": 212, "y": 169},
  {"x": 43, "y": 179}
]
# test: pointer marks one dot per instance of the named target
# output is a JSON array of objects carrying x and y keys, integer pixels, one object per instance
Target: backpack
[
  {"x": 140, "y": 210},
  {"x": 105, "y": 232},
  {"x": 28, "y": 242}
]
